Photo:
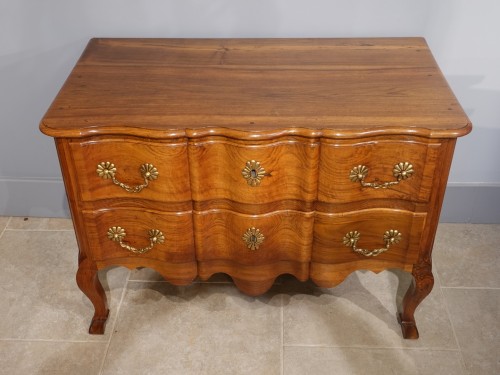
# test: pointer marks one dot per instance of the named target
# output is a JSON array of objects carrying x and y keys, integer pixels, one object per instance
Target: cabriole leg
[
  {"x": 421, "y": 286},
  {"x": 88, "y": 282}
]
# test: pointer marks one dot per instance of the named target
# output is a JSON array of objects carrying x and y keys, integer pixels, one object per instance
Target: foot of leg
[
  {"x": 89, "y": 284},
  {"x": 408, "y": 328},
  {"x": 421, "y": 286},
  {"x": 98, "y": 324}
]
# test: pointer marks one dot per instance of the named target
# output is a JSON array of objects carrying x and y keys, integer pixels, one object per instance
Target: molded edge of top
[{"x": 257, "y": 135}]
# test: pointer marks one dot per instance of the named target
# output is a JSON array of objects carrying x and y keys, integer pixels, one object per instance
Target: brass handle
[
  {"x": 107, "y": 170},
  {"x": 117, "y": 234},
  {"x": 253, "y": 238},
  {"x": 391, "y": 237},
  {"x": 401, "y": 171},
  {"x": 253, "y": 173}
]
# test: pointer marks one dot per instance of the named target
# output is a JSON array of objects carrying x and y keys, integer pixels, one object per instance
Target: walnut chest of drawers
[{"x": 255, "y": 158}]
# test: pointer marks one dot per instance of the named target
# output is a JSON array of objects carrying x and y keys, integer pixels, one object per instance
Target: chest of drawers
[{"x": 255, "y": 158}]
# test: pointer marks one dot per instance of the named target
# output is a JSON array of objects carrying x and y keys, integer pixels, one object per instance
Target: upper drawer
[
  {"x": 166, "y": 163},
  {"x": 352, "y": 171},
  {"x": 254, "y": 173}
]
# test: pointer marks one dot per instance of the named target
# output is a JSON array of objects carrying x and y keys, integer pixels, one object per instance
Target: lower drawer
[
  {"x": 140, "y": 234},
  {"x": 253, "y": 239},
  {"x": 376, "y": 234}
]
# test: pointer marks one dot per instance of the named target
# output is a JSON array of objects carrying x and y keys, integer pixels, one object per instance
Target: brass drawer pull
[
  {"x": 253, "y": 238},
  {"x": 401, "y": 171},
  {"x": 107, "y": 170},
  {"x": 253, "y": 173},
  {"x": 117, "y": 234},
  {"x": 391, "y": 237}
]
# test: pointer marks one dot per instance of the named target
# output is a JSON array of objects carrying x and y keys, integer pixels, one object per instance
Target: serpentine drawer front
[
  {"x": 156, "y": 170},
  {"x": 255, "y": 158}
]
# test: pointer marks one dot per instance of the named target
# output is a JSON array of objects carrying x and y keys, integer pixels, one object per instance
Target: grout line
[
  {"x": 435, "y": 272},
  {"x": 55, "y": 340},
  {"x": 470, "y": 287},
  {"x": 372, "y": 347},
  {"x": 282, "y": 348},
  {"x": 38, "y": 230},
  {"x": 6, "y": 225},
  {"x": 118, "y": 308},
  {"x": 452, "y": 327}
]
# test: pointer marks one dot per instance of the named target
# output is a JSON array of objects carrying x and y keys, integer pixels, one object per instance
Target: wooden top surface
[{"x": 330, "y": 87}]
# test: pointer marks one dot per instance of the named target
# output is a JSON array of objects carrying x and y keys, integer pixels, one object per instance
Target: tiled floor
[{"x": 210, "y": 328}]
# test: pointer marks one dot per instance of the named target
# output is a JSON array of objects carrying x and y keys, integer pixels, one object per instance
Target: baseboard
[
  {"x": 33, "y": 197},
  {"x": 471, "y": 203},
  {"x": 463, "y": 203}
]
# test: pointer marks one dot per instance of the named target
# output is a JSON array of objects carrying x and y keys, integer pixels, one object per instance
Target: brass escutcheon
[
  {"x": 253, "y": 173},
  {"x": 253, "y": 238}
]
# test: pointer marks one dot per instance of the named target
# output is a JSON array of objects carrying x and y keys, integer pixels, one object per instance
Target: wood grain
[
  {"x": 338, "y": 158},
  {"x": 165, "y": 87},
  {"x": 176, "y": 227},
  {"x": 309, "y": 110},
  {"x": 254, "y": 279},
  {"x": 288, "y": 236},
  {"x": 291, "y": 168},
  {"x": 128, "y": 154},
  {"x": 330, "y": 229}
]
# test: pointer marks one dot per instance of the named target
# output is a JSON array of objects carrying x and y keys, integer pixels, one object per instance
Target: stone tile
[
  {"x": 198, "y": 329},
  {"x": 468, "y": 255},
  {"x": 39, "y": 298},
  {"x": 3, "y": 223},
  {"x": 40, "y": 223},
  {"x": 362, "y": 311},
  {"x": 475, "y": 315},
  {"x": 353, "y": 361},
  {"x": 211, "y": 328},
  {"x": 145, "y": 274},
  {"x": 51, "y": 358}
]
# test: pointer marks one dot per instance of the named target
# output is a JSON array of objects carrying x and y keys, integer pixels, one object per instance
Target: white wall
[
  {"x": 465, "y": 39},
  {"x": 41, "y": 40}
]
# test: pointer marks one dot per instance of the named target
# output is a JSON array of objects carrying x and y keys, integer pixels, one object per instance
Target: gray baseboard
[
  {"x": 471, "y": 203},
  {"x": 463, "y": 203},
  {"x": 33, "y": 197}
]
